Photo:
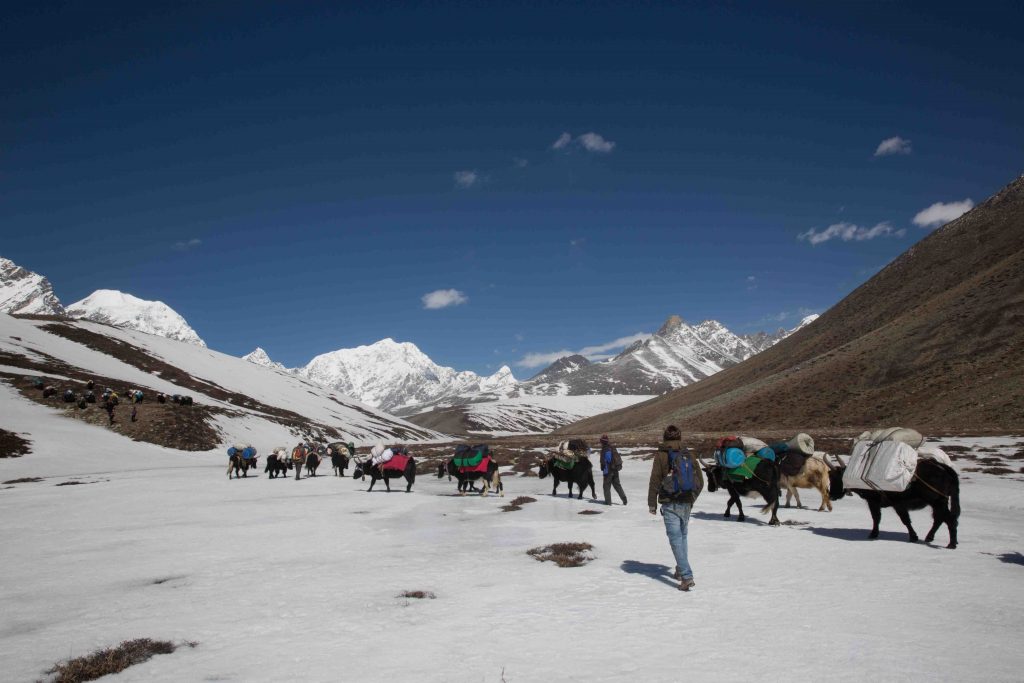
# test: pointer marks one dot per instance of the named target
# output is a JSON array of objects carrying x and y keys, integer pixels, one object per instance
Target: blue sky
[{"x": 299, "y": 176}]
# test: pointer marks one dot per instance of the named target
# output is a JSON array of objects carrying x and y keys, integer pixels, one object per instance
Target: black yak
[
  {"x": 934, "y": 485},
  {"x": 375, "y": 472},
  {"x": 765, "y": 482},
  {"x": 581, "y": 474},
  {"x": 491, "y": 478}
]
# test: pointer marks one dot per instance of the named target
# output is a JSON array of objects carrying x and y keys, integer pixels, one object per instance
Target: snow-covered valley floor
[{"x": 281, "y": 580}]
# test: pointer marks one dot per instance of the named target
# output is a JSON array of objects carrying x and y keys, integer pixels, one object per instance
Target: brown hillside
[{"x": 935, "y": 341}]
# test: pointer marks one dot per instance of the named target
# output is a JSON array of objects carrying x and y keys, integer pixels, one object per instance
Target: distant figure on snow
[
  {"x": 134, "y": 414},
  {"x": 108, "y": 405},
  {"x": 298, "y": 459},
  {"x": 611, "y": 463}
]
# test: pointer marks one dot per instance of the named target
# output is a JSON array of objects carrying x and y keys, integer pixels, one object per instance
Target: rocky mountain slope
[
  {"x": 933, "y": 341},
  {"x": 676, "y": 355},
  {"x": 234, "y": 400},
  {"x": 124, "y": 310},
  {"x": 26, "y": 293}
]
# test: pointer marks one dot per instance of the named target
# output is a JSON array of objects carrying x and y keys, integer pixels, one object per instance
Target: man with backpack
[
  {"x": 611, "y": 463},
  {"x": 676, "y": 481}
]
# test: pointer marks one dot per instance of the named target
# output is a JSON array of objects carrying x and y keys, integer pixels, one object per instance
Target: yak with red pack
[
  {"x": 754, "y": 475},
  {"x": 470, "y": 464},
  {"x": 572, "y": 466},
  {"x": 401, "y": 464}
]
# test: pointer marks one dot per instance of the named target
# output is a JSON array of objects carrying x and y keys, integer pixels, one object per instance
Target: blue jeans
[{"x": 677, "y": 519}]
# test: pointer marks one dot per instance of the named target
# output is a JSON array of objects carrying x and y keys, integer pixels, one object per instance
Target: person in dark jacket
[
  {"x": 676, "y": 500},
  {"x": 611, "y": 463}
]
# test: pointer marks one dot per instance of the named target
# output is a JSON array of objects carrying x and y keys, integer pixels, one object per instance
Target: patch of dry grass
[
  {"x": 24, "y": 480},
  {"x": 563, "y": 554},
  {"x": 417, "y": 595},
  {"x": 12, "y": 445},
  {"x": 110, "y": 660},
  {"x": 589, "y": 512},
  {"x": 518, "y": 503}
]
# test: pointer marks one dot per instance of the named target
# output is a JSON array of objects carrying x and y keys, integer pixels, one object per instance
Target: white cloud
[
  {"x": 848, "y": 232},
  {"x": 187, "y": 244},
  {"x": 941, "y": 213},
  {"x": 598, "y": 352},
  {"x": 751, "y": 278},
  {"x": 893, "y": 145},
  {"x": 466, "y": 179},
  {"x": 519, "y": 162},
  {"x": 592, "y": 142},
  {"x": 443, "y": 298},
  {"x": 563, "y": 141}
]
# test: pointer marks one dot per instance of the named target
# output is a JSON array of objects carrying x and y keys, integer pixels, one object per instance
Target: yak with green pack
[{"x": 754, "y": 475}]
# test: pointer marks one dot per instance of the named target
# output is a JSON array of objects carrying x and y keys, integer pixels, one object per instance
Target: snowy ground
[{"x": 283, "y": 580}]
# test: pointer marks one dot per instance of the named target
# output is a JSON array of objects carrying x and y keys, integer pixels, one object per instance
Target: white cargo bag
[
  {"x": 802, "y": 443},
  {"x": 935, "y": 453},
  {"x": 752, "y": 445},
  {"x": 880, "y": 466},
  {"x": 911, "y": 437}
]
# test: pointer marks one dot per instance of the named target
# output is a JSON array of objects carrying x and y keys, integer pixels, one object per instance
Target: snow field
[{"x": 285, "y": 580}]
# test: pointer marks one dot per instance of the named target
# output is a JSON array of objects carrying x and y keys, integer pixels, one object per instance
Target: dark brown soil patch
[
  {"x": 563, "y": 554},
  {"x": 24, "y": 480},
  {"x": 518, "y": 503},
  {"x": 74, "y": 482},
  {"x": 997, "y": 470},
  {"x": 589, "y": 512},
  {"x": 12, "y": 445},
  {"x": 417, "y": 595},
  {"x": 110, "y": 661}
]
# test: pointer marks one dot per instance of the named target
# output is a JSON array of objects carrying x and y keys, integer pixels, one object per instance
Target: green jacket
[{"x": 660, "y": 469}]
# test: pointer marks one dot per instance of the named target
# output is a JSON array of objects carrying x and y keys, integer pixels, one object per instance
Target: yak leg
[
  {"x": 774, "y": 505},
  {"x": 904, "y": 515},
  {"x": 826, "y": 500},
  {"x": 498, "y": 486},
  {"x": 876, "y": 517},
  {"x": 230, "y": 465},
  {"x": 941, "y": 514},
  {"x": 387, "y": 483}
]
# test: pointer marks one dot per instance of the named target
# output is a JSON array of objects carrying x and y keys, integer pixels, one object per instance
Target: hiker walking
[
  {"x": 134, "y": 414},
  {"x": 298, "y": 459},
  {"x": 108, "y": 405},
  {"x": 676, "y": 481},
  {"x": 611, "y": 463}
]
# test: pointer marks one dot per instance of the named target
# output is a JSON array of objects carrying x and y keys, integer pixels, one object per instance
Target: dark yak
[
  {"x": 491, "y": 478},
  {"x": 339, "y": 458},
  {"x": 239, "y": 464},
  {"x": 934, "y": 485},
  {"x": 765, "y": 482},
  {"x": 312, "y": 462},
  {"x": 581, "y": 474},
  {"x": 375, "y": 472},
  {"x": 278, "y": 465}
]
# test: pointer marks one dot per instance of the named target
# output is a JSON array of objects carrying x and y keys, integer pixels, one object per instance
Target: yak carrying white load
[{"x": 883, "y": 460}]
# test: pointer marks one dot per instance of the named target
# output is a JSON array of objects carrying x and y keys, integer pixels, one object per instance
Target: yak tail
[{"x": 954, "y": 495}]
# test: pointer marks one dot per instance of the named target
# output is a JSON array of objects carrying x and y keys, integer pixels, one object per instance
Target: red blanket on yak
[
  {"x": 482, "y": 467},
  {"x": 397, "y": 463}
]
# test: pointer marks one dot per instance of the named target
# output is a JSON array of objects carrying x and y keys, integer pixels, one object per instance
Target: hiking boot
[{"x": 686, "y": 584}]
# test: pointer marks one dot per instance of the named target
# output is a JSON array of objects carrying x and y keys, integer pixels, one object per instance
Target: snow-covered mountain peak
[
  {"x": 807, "y": 320},
  {"x": 673, "y": 323},
  {"x": 260, "y": 357},
  {"x": 124, "y": 310},
  {"x": 502, "y": 379},
  {"x": 25, "y": 292}
]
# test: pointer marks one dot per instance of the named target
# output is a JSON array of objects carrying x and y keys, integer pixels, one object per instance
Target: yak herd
[{"x": 934, "y": 484}]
